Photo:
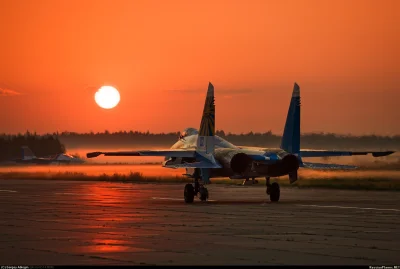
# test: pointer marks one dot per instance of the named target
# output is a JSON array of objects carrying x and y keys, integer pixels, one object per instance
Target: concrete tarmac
[{"x": 82, "y": 223}]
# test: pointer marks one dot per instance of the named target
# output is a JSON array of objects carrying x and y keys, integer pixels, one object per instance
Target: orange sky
[{"x": 162, "y": 54}]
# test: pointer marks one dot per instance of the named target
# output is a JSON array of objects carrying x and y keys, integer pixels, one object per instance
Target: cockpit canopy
[
  {"x": 188, "y": 132},
  {"x": 219, "y": 142}
]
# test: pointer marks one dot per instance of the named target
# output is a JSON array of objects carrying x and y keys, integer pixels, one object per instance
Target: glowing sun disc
[{"x": 107, "y": 97}]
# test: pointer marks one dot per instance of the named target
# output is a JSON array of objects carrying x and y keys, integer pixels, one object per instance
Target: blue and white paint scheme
[{"x": 205, "y": 155}]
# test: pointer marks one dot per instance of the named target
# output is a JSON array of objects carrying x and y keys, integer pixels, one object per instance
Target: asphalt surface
[{"x": 71, "y": 222}]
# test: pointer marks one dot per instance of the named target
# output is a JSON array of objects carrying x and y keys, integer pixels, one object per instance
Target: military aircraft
[
  {"x": 28, "y": 157},
  {"x": 205, "y": 155}
]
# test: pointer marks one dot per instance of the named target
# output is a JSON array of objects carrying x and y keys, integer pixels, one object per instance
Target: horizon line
[{"x": 177, "y": 132}]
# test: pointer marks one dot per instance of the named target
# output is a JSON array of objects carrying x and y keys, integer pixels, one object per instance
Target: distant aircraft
[
  {"x": 205, "y": 155},
  {"x": 62, "y": 158}
]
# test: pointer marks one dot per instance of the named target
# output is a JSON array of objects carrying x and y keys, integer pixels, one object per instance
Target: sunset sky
[{"x": 160, "y": 55}]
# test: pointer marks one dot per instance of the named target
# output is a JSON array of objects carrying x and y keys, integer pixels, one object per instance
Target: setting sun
[{"x": 107, "y": 97}]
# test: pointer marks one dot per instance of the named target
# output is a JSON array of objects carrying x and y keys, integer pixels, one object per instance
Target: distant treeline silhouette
[
  {"x": 268, "y": 139},
  {"x": 41, "y": 145}
]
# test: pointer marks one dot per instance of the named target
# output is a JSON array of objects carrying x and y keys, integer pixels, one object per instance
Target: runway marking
[
  {"x": 8, "y": 191},
  {"x": 164, "y": 198},
  {"x": 173, "y": 199},
  {"x": 354, "y": 207},
  {"x": 71, "y": 193}
]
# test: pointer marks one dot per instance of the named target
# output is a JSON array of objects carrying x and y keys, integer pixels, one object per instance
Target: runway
[{"x": 81, "y": 223}]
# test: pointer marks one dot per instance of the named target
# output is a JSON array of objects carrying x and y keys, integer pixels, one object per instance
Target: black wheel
[
  {"x": 203, "y": 194},
  {"x": 274, "y": 192},
  {"x": 189, "y": 193}
]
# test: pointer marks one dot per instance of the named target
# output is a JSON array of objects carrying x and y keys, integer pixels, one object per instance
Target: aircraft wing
[
  {"x": 322, "y": 166},
  {"x": 335, "y": 153},
  {"x": 201, "y": 164},
  {"x": 178, "y": 153}
]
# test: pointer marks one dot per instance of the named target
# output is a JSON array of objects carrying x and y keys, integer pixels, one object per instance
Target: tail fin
[
  {"x": 27, "y": 153},
  {"x": 205, "y": 141},
  {"x": 291, "y": 135}
]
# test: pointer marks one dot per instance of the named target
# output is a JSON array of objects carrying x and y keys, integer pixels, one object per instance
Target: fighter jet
[
  {"x": 28, "y": 157},
  {"x": 205, "y": 155}
]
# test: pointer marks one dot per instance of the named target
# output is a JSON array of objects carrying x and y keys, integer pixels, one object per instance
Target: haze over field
[{"x": 156, "y": 171}]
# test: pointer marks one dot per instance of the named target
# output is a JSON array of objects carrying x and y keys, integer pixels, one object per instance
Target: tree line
[
  {"x": 108, "y": 139},
  {"x": 41, "y": 145}
]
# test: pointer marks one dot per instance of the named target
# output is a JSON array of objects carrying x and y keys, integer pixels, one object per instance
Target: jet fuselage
[{"x": 237, "y": 162}]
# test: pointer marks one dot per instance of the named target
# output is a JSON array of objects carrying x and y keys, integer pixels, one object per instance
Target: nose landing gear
[{"x": 191, "y": 191}]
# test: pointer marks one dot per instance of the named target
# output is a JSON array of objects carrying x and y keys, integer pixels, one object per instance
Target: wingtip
[
  {"x": 93, "y": 154},
  {"x": 382, "y": 154}
]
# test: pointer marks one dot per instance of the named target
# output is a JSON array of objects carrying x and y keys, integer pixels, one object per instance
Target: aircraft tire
[
  {"x": 203, "y": 194},
  {"x": 275, "y": 192},
  {"x": 188, "y": 193}
]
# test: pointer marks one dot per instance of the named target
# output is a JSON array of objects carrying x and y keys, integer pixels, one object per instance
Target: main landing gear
[
  {"x": 192, "y": 191},
  {"x": 273, "y": 190}
]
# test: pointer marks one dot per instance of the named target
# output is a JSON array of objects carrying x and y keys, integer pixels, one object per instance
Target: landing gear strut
[
  {"x": 273, "y": 190},
  {"x": 192, "y": 190}
]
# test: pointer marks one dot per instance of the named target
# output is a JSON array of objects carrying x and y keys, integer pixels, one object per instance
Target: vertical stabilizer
[
  {"x": 27, "y": 153},
  {"x": 205, "y": 141},
  {"x": 291, "y": 134}
]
